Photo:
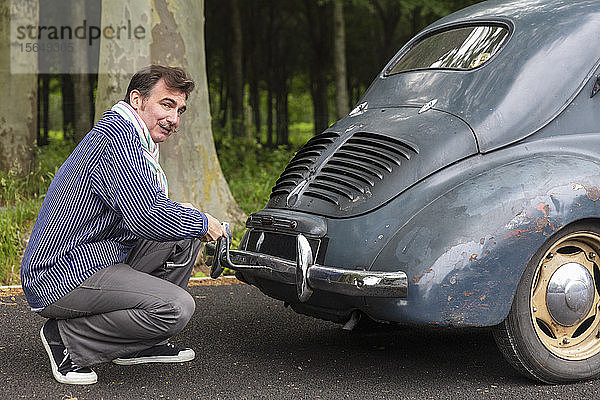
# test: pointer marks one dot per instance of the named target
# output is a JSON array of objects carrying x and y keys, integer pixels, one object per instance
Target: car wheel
[{"x": 552, "y": 331}]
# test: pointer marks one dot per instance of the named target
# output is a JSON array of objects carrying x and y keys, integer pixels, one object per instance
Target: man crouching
[{"x": 95, "y": 265}]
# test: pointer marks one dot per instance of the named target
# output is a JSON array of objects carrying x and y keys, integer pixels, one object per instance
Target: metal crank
[{"x": 220, "y": 252}]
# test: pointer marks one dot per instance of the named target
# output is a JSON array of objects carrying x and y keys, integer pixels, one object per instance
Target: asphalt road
[{"x": 250, "y": 346}]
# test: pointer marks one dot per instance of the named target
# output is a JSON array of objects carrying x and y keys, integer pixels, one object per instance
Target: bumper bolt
[
  {"x": 550, "y": 255},
  {"x": 592, "y": 255},
  {"x": 566, "y": 341}
]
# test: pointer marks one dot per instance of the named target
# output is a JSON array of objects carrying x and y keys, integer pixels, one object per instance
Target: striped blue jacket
[{"x": 101, "y": 200}]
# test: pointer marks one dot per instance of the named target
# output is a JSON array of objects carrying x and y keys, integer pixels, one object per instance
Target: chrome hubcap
[{"x": 570, "y": 294}]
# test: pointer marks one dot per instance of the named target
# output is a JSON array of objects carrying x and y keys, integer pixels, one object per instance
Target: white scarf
[{"x": 149, "y": 148}]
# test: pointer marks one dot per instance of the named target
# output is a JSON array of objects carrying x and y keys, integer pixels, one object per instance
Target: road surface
[{"x": 249, "y": 346}]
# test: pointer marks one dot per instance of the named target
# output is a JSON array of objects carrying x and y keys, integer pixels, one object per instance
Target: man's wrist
[{"x": 204, "y": 229}]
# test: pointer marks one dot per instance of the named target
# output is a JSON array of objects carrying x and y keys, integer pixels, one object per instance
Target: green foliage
[
  {"x": 300, "y": 133},
  {"x": 300, "y": 103},
  {"x": 15, "y": 188},
  {"x": 251, "y": 170},
  {"x": 20, "y": 201},
  {"x": 15, "y": 221}
]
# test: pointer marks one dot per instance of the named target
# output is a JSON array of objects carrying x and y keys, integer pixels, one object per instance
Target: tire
[{"x": 552, "y": 331}]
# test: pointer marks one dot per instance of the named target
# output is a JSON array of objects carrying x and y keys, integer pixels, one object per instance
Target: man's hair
[{"x": 145, "y": 79}]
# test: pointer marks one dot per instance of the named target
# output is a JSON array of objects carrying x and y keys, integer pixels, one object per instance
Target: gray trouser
[{"x": 127, "y": 307}]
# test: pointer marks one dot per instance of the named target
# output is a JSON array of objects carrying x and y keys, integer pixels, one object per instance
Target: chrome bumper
[{"x": 308, "y": 276}]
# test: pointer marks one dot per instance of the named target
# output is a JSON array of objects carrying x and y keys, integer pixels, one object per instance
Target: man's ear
[{"x": 135, "y": 99}]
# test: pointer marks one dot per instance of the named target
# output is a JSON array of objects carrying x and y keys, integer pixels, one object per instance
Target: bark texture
[{"x": 18, "y": 102}]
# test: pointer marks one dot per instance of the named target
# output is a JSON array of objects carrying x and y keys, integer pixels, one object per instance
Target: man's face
[{"x": 160, "y": 111}]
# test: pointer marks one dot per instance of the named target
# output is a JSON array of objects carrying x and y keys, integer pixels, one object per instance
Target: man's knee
[{"x": 183, "y": 308}]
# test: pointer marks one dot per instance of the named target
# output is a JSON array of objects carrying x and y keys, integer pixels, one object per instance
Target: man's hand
[{"x": 215, "y": 230}]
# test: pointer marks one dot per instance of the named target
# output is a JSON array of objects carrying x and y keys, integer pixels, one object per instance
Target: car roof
[{"x": 552, "y": 53}]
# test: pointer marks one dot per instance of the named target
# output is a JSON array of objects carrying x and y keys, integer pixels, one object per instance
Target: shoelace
[{"x": 74, "y": 367}]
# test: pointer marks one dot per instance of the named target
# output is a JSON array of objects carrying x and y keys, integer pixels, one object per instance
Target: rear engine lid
[{"x": 365, "y": 160}]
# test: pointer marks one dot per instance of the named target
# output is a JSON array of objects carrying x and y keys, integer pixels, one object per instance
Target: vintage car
[{"x": 461, "y": 191}]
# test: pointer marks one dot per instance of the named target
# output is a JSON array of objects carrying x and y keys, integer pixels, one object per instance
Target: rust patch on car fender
[
  {"x": 543, "y": 223},
  {"x": 417, "y": 278},
  {"x": 517, "y": 233},
  {"x": 545, "y": 208},
  {"x": 592, "y": 193}
]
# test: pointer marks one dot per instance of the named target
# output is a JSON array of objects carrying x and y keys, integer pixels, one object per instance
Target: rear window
[{"x": 462, "y": 48}]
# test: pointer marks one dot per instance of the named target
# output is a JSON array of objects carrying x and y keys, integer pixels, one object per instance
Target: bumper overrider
[{"x": 307, "y": 275}]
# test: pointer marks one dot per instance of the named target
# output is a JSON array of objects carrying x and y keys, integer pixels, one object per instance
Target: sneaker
[
  {"x": 162, "y": 353},
  {"x": 63, "y": 368}
]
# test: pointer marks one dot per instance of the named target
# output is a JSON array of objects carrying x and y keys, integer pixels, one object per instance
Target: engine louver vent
[
  {"x": 302, "y": 162},
  {"x": 359, "y": 165},
  {"x": 378, "y": 158}
]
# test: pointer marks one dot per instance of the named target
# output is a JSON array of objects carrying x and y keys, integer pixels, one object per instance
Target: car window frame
[{"x": 419, "y": 38}]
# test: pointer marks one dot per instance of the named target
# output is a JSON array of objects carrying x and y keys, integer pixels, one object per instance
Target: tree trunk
[
  {"x": 270, "y": 117},
  {"x": 318, "y": 29},
  {"x": 320, "y": 95},
  {"x": 270, "y": 75},
  {"x": 252, "y": 49},
  {"x": 118, "y": 57},
  {"x": 223, "y": 101},
  {"x": 416, "y": 20},
  {"x": 254, "y": 99},
  {"x": 68, "y": 101},
  {"x": 189, "y": 158},
  {"x": 18, "y": 102},
  {"x": 389, "y": 16},
  {"x": 39, "y": 112},
  {"x": 81, "y": 83},
  {"x": 45, "y": 101},
  {"x": 92, "y": 86},
  {"x": 237, "y": 76},
  {"x": 339, "y": 60},
  {"x": 281, "y": 107},
  {"x": 82, "y": 108},
  {"x": 42, "y": 109}
]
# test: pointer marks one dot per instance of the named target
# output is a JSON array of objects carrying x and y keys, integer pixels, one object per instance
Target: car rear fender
[{"x": 465, "y": 250}]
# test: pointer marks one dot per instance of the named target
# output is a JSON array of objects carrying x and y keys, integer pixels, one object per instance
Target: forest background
[{"x": 278, "y": 72}]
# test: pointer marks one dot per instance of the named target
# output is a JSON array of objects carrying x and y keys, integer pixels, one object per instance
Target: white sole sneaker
[
  {"x": 72, "y": 378},
  {"x": 182, "y": 356}
]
